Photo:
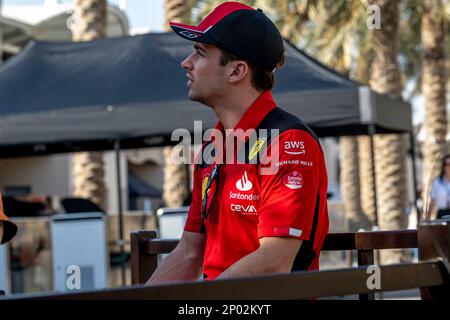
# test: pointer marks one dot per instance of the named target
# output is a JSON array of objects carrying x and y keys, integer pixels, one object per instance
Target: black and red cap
[{"x": 243, "y": 31}]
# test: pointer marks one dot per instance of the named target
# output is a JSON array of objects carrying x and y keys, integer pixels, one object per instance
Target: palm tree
[
  {"x": 176, "y": 175},
  {"x": 349, "y": 17},
  {"x": 350, "y": 185},
  {"x": 89, "y": 22},
  {"x": 390, "y": 149},
  {"x": 335, "y": 49},
  {"x": 177, "y": 11},
  {"x": 312, "y": 25},
  {"x": 434, "y": 79}
]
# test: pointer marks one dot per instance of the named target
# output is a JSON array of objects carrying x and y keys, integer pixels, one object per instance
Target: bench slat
[
  {"x": 333, "y": 241},
  {"x": 401, "y": 239},
  {"x": 293, "y": 286}
]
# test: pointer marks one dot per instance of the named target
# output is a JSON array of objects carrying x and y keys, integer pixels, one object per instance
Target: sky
[{"x": 141, "y": 13}]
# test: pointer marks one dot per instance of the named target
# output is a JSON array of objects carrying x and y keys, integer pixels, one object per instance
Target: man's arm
[
  {"x": 184, "y": 263},
  {"x": 274, "y": 255}
]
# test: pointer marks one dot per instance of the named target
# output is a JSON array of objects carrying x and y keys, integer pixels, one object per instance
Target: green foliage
[{"x": 336, "y": 33}]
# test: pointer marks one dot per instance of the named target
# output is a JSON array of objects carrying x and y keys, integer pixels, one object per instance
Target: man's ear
[{"x": 239, "y": 70}]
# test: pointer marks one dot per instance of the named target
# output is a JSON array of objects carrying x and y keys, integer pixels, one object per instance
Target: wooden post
[
  {"x": 434, "y": 242},
  {"x": 142, "y": 263},
  {"x": 365, "y": 258}
]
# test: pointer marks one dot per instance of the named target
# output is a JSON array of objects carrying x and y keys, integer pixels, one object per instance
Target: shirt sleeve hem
[{"x": 302, "y": 234}]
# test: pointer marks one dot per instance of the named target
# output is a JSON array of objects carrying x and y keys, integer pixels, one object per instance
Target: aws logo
[{"x": 294, "y": 147}]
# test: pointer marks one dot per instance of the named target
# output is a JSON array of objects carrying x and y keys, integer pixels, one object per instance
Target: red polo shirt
[{"x": 283, "y": 194}]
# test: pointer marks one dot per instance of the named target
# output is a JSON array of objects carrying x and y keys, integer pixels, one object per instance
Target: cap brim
[
  {"x": 192, "y": 33},
  {"x": 9, "y": 231}
]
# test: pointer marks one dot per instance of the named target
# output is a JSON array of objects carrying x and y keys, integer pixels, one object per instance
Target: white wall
[
  {"x": 46, "y": 175},
  {"x": 52, "y": 175}
]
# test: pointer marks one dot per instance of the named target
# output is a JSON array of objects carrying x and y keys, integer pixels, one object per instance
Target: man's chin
[
  {"x": 197, "y": 98},
  {"x": 193, "y": 96}
]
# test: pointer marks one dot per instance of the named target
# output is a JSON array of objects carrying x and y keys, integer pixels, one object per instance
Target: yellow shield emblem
[
  {"x": 204, "y": 184},
  {"x": 256, "y": 148}
]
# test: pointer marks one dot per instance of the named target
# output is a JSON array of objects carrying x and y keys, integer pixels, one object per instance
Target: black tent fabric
[
  {"x": 139, "y": 188},
  {"x": 67, "y": 96}
]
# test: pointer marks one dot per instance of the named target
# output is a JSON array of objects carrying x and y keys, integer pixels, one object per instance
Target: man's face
[{"x": 206, "y": 77}]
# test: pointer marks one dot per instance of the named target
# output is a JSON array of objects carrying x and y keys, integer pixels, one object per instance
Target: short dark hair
[{"x": 262, "y": 80}]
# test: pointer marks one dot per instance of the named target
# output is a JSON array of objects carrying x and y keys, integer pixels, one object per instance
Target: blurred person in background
[{"x": 440, "y": 190}]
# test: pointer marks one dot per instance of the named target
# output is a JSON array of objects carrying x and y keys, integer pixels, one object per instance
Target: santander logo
[
  {"x": 294, "y": 147},
  {"x": 243, "y": 184}
]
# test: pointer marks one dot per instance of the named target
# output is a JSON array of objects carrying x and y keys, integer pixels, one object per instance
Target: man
[
  {"x": 243, "y": 221},
  {"x": 7, "y": 229}
]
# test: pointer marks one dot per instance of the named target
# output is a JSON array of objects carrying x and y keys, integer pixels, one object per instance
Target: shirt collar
[{"x": 254, "y": 114}]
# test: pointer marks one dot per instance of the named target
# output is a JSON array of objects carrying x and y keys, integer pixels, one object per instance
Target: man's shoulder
[{"x": 283, "y": 121}]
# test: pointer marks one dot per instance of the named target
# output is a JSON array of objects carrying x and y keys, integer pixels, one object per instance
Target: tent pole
[
  {"x": 371, "y": 131},
  {"x": 121, "y": 241},
  {"x": 414, "y": 173}
]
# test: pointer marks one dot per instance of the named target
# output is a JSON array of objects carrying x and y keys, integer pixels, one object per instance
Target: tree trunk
[
  {"x": 433, "y": 88},
  {"x": 88, "y": 171},
  {"x": 350, "y": 185},
  {"x": 176, "y": 179},
  {"x": 89, "y": 22},
  {"x": 176, "y": 175},
  {"x": 366, "y": 177},
  {"x": 389, "y": 148},
  {"x": 177, "y": 11}
]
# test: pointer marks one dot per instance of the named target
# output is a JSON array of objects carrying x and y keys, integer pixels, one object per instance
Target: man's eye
[{"x": 199, "y": 53}]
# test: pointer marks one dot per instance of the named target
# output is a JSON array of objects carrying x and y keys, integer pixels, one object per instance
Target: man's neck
[{"x": 230, "y": 110}]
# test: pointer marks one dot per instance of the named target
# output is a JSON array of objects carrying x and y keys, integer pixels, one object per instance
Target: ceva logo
[
  {"x": 243, "y": 184},
  {"x": 244, "y": 209}
]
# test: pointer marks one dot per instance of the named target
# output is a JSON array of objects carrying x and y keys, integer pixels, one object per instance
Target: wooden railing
[
  {"x": 145, "y": 248},
  {"x": 431, "y": 274}
]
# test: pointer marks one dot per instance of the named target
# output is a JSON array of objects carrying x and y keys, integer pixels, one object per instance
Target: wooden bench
[
  {"x": 145, "y": 248},
  {"x": 431, "y": 274}
]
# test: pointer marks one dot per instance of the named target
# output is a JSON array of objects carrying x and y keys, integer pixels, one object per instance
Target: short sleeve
[
  {"x": 434, "y": 189},
  {"x": 194, "y": 218},
  {"x": 290, "y": 188}
]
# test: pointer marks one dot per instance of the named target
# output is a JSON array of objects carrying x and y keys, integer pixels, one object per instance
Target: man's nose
[{"x": 187, "y": 63}]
